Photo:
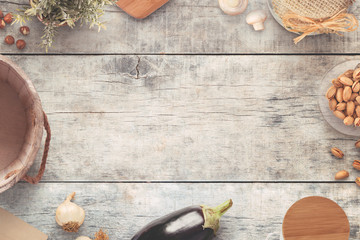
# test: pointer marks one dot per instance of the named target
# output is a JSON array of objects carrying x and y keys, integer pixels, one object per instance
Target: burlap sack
[
  {"x": 315, "y": 16},
  {"x": 315, "y": 9}
]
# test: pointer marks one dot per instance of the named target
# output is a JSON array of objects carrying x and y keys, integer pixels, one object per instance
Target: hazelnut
[
  {"x": 9, "y": 40},
  {"x": 20, "y": 44},
  {"x": 2, "y": 24},
  {"x": 8, "y": 18},
  {"x": 1, "y": 14},
  {"x": 25, "y": 30}
]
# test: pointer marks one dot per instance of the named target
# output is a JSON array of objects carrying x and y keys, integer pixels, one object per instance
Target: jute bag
[{"x": 315, "y": 16}]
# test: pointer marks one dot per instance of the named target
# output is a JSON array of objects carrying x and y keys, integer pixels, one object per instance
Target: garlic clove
[
  {"x": 69, "y": 215},
  {"x": 257, "y": 18},
  {"x": 233, "y": 7},
  {"x": 83, "y": 238}
]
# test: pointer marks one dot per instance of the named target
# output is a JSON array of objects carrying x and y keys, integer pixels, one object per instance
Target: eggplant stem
[
  {"x": 212, "y": 215},
  {"x": 222, "y": 208}
]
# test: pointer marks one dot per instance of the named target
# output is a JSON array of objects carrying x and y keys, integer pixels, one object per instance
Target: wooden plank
[
  {"x": 185, "y": 26},
  {"x": 123, "y": 209},
  {"x": 187, "y": 117}
]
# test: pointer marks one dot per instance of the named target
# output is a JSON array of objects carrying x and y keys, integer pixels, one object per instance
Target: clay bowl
[{"x": 21, "y": 126}]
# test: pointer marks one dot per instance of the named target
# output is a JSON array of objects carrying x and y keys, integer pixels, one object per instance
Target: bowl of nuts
[{"x": 340, "y": 97}]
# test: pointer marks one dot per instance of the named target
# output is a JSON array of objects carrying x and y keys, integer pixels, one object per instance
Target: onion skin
[{"x": 185, "y": 224}]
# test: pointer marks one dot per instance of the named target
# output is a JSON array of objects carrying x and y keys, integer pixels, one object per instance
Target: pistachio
[
  {"x": 356, "y": 164},
  {"x": 350, "y": 108},
  {"x": 353, "y": 96},
  {"x": 332, "y": 104},
  {"x": 341, "y": 106},
  {"x": 349, "y": 120},
  {"x": 338, "y": 95},
  {"x": 341, "y": 175},
  {"x": 347, "y": 93},
  {"x": 357, "y": 144},
  {"x": 357, "y": 181},
  {"x": 355, "y": 87},
  {"x": 357, "y": 122},
  {"x": 337, "y": 152},
  {"x": 331, "y": 92},
  {"x": 358, "y": 99},
  {"x": 339, "y": 114},
  {"x": 356, "y": 74},
  {"x": 337, "y": 83},
  {"x": 357, "y": 111},
  {"x": 349, "y": 73},
  {"x": 346, "y": 81}
]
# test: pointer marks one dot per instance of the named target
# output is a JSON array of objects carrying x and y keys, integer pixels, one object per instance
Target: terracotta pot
[{"x": 21, "y": 126}]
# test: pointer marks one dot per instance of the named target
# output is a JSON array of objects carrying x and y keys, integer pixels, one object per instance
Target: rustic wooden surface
[
  {"x": 186, "y": 26},
  {"x": 122, "y": 208},
  {"x": 188, "y": 106}
]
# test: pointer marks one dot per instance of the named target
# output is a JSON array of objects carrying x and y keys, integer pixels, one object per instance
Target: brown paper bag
[{"x": 13, "y": 228}]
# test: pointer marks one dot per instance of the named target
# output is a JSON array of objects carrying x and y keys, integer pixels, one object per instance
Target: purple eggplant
[{"x": 191, "y": 223}]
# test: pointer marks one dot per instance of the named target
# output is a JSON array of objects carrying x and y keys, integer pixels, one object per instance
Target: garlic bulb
[
  {"x": 69, "y": 215},
  {"x": 233, "y": 7},
  {"x": 83, "y": 238}
]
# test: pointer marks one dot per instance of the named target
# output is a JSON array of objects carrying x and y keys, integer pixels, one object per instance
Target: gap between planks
[
  {"x": 193, "y": 181},
  {"x": 179, "y": 54}
]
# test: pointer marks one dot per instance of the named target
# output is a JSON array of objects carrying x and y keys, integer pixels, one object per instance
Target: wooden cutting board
[
  {"x": 13, "y": 228},
  {"x": 140, "y": 8},
  {"x": 316, "y": 218}
]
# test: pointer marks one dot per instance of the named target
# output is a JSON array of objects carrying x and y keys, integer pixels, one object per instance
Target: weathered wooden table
[{"x": 189, "y": 106}]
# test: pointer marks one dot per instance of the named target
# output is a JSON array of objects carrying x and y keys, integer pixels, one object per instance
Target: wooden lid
[
  {"x": 140, "y": 8},
  {"x": 316, "y": 218}
]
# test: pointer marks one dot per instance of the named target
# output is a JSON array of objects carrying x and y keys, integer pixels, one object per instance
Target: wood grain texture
[
  {"x": 185, "y": 26},
  {"x": 123, "y": 209},
  {"x": 187, "y": 117},
  {"x": 316, "y": 218}
]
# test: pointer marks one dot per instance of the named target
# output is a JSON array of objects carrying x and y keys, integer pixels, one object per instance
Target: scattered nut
[
  {"x": 9, "y": 40},
  {"x": 337, "y": 152},
  {"x": 1, "y": 14},
  {"x": 20, "y": 44},
  {"x": 356, "y": 164},
  {"x": 25, "y": 30},
  {"x": 2, "y": 24},
  {"x": 341, "y": 175},
  {"x": 8, "y": 18},
  {"x": 357, "y": 181},
  {"x": 357, "y": 144}
]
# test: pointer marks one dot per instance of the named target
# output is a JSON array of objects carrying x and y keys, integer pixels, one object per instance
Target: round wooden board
[{"x": 316, "y": 218}]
